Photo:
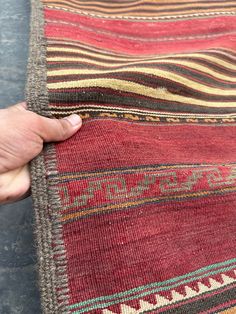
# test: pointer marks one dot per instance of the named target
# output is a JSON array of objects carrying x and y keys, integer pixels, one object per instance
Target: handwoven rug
[{"x": 136, "y": 213}]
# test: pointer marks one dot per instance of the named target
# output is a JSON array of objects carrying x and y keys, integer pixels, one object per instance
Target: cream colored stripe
[
  {"x": 190, "y": 65},
  {"x": 98, "y": 54},
  {"x": 175, "y": 78},
  {"x": 143, "y": 111},
  {"x": 153, "y": 9},
  {"x": 109, "y": 4},
  {"x": 137, "y": 3},
  {"x": 215, "y": 60},
  {"x": 84, "y": 47},
  {"x": 146, "y": 18},
  {"x": 139, "y": 89},
  {"x": 95, "y": 54},
  {"x": 140, "y": 112}
]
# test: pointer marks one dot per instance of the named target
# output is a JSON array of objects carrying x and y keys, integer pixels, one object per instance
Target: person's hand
[{"x": 22, "y": 134}]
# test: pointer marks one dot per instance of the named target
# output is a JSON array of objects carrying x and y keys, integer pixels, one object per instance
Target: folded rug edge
[{"x": 51, "y": 270}]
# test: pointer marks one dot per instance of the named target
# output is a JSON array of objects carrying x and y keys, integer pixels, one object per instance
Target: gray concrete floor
[{"x": 18, "y": 276}]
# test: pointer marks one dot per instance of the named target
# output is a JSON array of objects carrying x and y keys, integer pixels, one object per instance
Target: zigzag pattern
[{"x": 162, "y": 302}]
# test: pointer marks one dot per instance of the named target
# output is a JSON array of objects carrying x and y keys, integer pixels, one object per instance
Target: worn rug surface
[{"x": 136, "y": 213}]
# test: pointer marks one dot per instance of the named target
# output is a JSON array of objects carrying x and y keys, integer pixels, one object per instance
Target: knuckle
[{"x": 63, "y": 128}]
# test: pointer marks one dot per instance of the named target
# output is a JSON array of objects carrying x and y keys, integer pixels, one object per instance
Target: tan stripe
[
  {"x": 139, "y": 89},
  {"x": 152, "y": 16},
  {"x": 166, "y": 75},
  {"x": 84, "y": 47},
  {"x": 109, "y": 4},
  {"x": 190, "y": 65},
  {"x": 215, "y": 60},
  {"x": 136, "y": 17},
  {"x": 96, "y": 53},
  {"x": 111, "y": 7},
  {"x": 106, "y": 56},
  {"x": 153, "y": 9},
  {"x": 137, "y": 3}
]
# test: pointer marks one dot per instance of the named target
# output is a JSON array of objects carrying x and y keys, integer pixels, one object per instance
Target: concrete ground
[{"x": 18, "y": 276}]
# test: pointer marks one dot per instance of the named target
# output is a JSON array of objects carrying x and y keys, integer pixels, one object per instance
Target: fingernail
[{"x": 74, "y": 119}]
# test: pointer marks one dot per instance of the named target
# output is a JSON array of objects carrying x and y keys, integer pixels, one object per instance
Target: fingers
[
  {"x": 22, "y": 133},
  {"x": 14, "y": 185},
  {"x": 53, "y": 130}
]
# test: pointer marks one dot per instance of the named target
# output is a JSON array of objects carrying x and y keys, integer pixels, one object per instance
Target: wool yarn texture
[{"x": 136, "y": 213}]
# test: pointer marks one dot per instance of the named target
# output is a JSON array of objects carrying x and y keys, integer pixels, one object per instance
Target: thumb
[{"x": 53, "y": 130}]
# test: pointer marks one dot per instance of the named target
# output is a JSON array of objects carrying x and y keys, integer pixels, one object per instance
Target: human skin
[{"x": 22, "y": 134}]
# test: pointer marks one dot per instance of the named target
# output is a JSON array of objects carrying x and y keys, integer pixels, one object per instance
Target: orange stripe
[{"x": 140, "y": 202}]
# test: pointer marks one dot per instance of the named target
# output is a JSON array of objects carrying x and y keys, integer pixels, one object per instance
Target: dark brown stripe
[
  {"x": 107, "y": 96},
  {"x": 207, "y": 63},
  {"x": 151, "y": 80},
  {"x": 102, "y": 58}
]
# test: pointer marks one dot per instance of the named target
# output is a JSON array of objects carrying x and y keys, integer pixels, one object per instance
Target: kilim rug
[{"x": 136, "y": 213}]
